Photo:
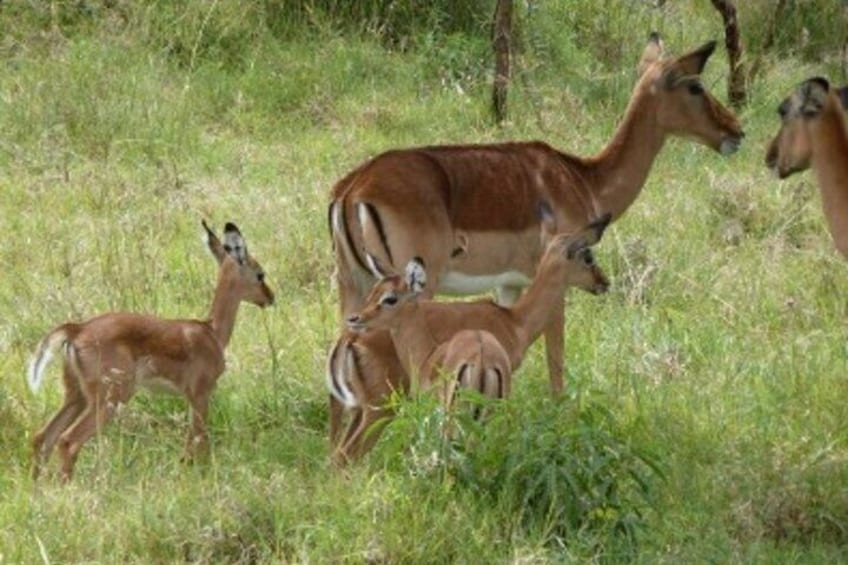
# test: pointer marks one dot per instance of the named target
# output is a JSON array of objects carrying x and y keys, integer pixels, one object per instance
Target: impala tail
[{"x": 59, "y": 337}]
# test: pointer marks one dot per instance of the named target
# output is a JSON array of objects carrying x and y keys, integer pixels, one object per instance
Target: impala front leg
[{"x": 554, "y": 346}]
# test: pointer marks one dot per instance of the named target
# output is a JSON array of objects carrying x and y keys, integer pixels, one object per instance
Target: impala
[
  {"x": 421, "y": 328},
  {"x": 814, "y": 133},
  {"x": 107, "y": 357},
  {"x": 469, "y": 211}
]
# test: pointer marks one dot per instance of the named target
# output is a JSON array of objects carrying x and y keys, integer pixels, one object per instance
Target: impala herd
[{"x": 517, "y": 218}]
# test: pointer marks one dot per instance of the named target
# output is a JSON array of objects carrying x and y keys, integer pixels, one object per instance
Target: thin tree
[
  {"x": 502, "y": 45},
  {"x": 736, "y": 92},
  {"x": 768, "y": 41}
]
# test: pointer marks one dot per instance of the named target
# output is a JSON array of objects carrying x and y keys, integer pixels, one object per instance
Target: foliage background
[{"x": 707, "y": 405}]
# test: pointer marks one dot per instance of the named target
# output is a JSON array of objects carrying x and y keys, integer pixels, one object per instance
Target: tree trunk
[
  {"x": 736, "y": 82},
  {"x": 502, "y": 45}
]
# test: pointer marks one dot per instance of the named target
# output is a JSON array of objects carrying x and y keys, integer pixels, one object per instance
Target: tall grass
[{"x": 706, "y": 407}]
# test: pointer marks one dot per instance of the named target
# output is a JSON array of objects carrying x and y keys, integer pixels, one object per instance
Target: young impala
[
  {"x": 107, "y": 357},
  {"x": 469, "y": 211},
  {"x": 418, "y": 327},
  {"x": 814, "y": 133}
]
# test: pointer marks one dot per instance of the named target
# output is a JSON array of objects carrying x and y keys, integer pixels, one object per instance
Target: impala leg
[
  {"x": 363, "y": 436},
  {"x": 96, "y": 414},
  {"x": 339, "y": 455},
  {"x": 554, "y": 347},
  {"x": 45, "y": 440},
  {"x": 197, "y": 443}
]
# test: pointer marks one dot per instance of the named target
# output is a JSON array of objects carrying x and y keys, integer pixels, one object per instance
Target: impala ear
[
  {"x": 653, "y": 52},
  {"x": 598, "y": 227},
  {"x": 814, "y": 93},
  {"x": 213, "y": 242},
  {"x": 415, "y": 275},
  {"x": 376, "y": 267},
  {"x": 693, "y": 63},
  {"x": 234, "y": 243}
]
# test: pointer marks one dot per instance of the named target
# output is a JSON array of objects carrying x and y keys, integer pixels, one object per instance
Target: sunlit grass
[{"x": 719, "y": 356}]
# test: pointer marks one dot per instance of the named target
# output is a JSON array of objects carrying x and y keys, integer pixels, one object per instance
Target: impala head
[
  {"x": 234, "y": 259},
  {"x": 684, "y": 106},
  {"x": 574, "y": 251},
  {"x": 790, "y": 151},
  {"x": 388, "y": 295}
]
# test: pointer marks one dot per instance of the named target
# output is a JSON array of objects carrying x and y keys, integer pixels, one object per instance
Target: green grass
[{"x": 706, "y": 412}]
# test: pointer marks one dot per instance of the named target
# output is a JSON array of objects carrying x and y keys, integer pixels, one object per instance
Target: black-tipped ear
[
  {"x": 415, "y": 275},
  {"x": 209, "y": 232},
  {"x": 693, "y": 63},
  {"x": 652, "y": 53},
  {"x": 234, "y": 243},
  {"x": 600, "y": 225},
  {"x": 814, "y": 93},
  {"x": 214, "y": 244},
  {"x": 819, "y": 82}
]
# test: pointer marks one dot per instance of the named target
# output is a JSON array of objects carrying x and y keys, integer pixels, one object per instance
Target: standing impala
[
  {"x": 469, "y": 211},
  {"x": 814, "y": 132},
  {"x": 107, "y": 357},
  {"x": 420, "y": 329}
]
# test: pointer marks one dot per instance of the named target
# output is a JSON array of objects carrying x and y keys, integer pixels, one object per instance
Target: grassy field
[{"x": 707, "y": 414}]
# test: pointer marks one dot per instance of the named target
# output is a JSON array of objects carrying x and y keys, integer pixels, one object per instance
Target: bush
[{"x": 560, "y": 469}]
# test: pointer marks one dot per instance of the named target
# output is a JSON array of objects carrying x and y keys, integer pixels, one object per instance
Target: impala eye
[
  {"x": 696, "y": 88},
  {"x": 588, "y": 258},
  {"x": 260, "y": 276},
  {"x": 783, "y": 109},
  {"x": 389, "y": 300}
]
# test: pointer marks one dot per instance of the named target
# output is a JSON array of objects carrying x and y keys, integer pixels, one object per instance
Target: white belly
[{"x": 454, "y": 282}]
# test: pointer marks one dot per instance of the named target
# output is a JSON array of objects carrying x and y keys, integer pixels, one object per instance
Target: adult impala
[
  {"x": 469, "y": 211},
  {"x": 814, "y": 133},
  {"x": 107, "y": 357},
  {"x": 421, "y": 329}
]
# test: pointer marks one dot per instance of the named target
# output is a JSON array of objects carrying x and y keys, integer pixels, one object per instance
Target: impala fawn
[
  {"x": 421, "y": 329},
  {"x": 107, "y": 357}
]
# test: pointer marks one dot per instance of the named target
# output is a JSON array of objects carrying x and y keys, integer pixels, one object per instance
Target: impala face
[
  {"x": 685, "y": 107},
  {"x": 790, "y": 151},
  {"x": 383, "y": 304},
  {"x": 589, "y": 276},
  {"x": 232, "y": 254}
]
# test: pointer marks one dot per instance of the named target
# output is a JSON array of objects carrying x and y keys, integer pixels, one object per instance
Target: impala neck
[
  {"x": 544, "y": 295},
  {"x": 829, "y": 139},
  {"x": 618, "y": 173},
  {"x": 412, "y": 338},
  {"x": 225, "y": 304}
]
